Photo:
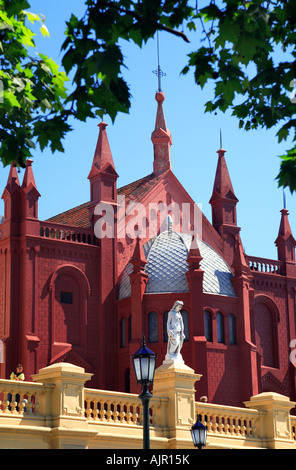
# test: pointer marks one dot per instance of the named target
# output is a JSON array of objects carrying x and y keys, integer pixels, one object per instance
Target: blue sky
[{"x": 252, "y": 157}]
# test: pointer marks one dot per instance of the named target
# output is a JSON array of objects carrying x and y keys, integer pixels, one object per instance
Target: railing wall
[
  {"x": 264, "y": 265},
  {"x": 60, "y": 232},
  {"x": 57, "y": 411}
]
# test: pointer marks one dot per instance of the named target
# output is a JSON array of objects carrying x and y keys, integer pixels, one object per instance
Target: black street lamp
[
  {"x": 144, "y": 361},
  {"x": 199, "y": 434}
]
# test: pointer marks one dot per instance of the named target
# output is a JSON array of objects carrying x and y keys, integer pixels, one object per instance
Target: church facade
[{"x": 85, "y": 285}]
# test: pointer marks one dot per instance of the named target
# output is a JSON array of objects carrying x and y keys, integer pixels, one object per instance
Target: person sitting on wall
[
  {"x": 203, "y": 399},
  {"x": 19, "y": 375}
]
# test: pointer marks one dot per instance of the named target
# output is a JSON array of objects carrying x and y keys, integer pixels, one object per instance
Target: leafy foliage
[
  {"x": 247, "y": 49},
  {"x": 251, "y": 56},
  {"x": 32, "y": 88},
  {"x": 92, "y": 49}
]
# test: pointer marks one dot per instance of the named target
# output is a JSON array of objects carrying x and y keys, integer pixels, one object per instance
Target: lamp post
[
  {"x": 144, "y": 361},
  {"x": 199, "y": 434}
]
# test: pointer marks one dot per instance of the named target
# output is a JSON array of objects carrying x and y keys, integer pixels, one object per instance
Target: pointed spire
[
  {"x": 102, "y": 176},
  {"x": 223, "y": 202},
  {"x": 30, "y": 193},
  {"x": 138, "y": 259},
  {"x": 194, "y": 257},
  {"x": 239, "y": 264},
  {"x": 286, "y": 244},
  {"x": 11, "y": 195},
  {"x": 285, "y": 229},
  {"x": 222, "y": 184},
  {"x": 285, "y": 241},
  {"x": 103, "y": 156},
  {"x": 29, "y": 179},
  {"x": 160, "y": 119},
  {"x": 161, "y": 138},
  {"x": 13, "y": 179}
]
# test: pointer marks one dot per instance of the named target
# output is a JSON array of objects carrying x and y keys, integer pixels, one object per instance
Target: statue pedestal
[
  {"x": 179, "y": 361},
  {"x": 175, "y": 380}
]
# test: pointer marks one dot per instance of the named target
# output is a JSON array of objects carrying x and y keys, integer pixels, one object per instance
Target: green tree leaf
[{"x": 237, "y": 50}]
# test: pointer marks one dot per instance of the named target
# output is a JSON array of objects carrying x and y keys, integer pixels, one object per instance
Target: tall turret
[
  {"x": 11, "y": 197},
  {"x": 103, "y": 197},
  {"x": 102, "y": 175},
  {"x": 30, "y": 194},
  {"x": 286, "y": 243},
  {"x": 223, "y": 202}
]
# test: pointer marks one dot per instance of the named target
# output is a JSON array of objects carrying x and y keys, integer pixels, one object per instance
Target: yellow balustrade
[
  {"x": 57, "y": 411},
  {"x": 293, "y": 427},
  {"x": 230, "y": 426}
]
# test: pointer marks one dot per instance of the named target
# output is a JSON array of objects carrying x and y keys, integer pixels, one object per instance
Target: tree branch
[{"x": 141, "y": 19}]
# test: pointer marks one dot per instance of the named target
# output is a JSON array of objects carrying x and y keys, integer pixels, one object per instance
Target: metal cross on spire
[{"x": 158, "y": 72}]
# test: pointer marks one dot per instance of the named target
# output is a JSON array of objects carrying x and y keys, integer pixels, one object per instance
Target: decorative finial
[
  {"x": 284, "y": 198},
  {"x": 169, "y": 223},
  {"x": 158, "y": 72},
  {"x": 221, "y": 150},
  {"x": 102, "y": 125}
]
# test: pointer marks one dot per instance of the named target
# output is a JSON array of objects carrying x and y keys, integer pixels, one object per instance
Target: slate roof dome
[{"x": 166, "y": 256}]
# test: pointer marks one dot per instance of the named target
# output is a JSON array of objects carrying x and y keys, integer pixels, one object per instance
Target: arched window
[
  {"x": 208, "y": 326},
  {"x": 129, "y": 327},
  {"x": 69, "y": 289},
  {"x": 232, "y": 329},
  {"x": 127, "y": 381},
  {"x": 265, "y": 330},
  {"x": 122, "y": 332},
  {"x": 220, "y": 328},
  {"x": 152, "y": 327},
  {"x": 184, "y": 314},
  {"x": 67, "y": 308},
  {"x": 186, "y": 324},
  {"x": 165, "y": 331},
  {"x": 1, "y": 352}
]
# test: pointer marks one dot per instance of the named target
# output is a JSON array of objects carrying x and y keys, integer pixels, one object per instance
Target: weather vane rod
[{"x": 159, "y": 73}]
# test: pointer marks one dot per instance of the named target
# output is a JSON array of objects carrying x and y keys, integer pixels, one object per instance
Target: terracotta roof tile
[
  {"x": 138, "y": 188},
  {"x": 78, "y": 216}
]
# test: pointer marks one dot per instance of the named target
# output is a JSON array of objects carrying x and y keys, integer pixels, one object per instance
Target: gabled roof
[
  {"x": 138, "y": 191},
  {"x": 79, "y": 216},
  {"x": 139, "y": 188}
]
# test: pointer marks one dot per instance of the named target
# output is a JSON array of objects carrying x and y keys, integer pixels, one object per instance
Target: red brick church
[{"x": 69, "y": 294}]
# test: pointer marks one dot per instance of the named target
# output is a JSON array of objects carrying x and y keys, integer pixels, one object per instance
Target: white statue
[{"x": 175, "y": 329}]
